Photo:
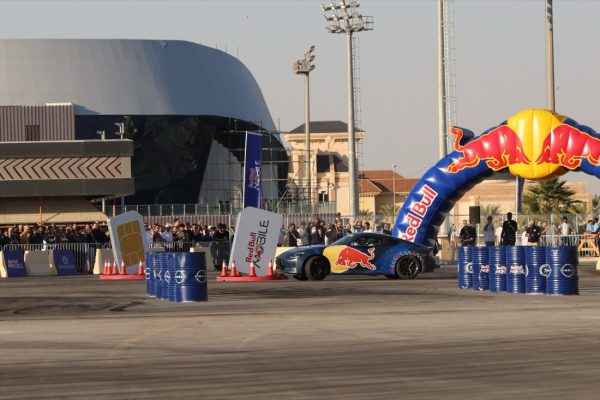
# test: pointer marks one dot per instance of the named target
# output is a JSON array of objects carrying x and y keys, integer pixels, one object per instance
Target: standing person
[
  {"x": 330, "y": 234},
  {"x": 367, "y": 227},
  {"x": 467, "y": 234},
  {"x": 293, "y": 236},
  {"x": 303, "y": 234},
  {"x": 489, "y": 236},
  {"x": 509, "y": 231},
  {"x": 317, "y": 234},
  {"x": 565, "y": 231},
  {"x": 387, "y": 229},
  {"x": 534, "y": 233},
  {"x": 499, "y": 234},
  {"x": 358, "y": 226},
  {"x": 347, "y": 229},
  {"x": 339, "y": 230}
]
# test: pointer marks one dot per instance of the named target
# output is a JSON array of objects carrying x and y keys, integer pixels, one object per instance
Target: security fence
[{"x": 85, "y": 253}]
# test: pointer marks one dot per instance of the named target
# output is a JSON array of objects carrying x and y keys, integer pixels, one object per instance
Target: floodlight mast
[
  {"x": 344, "y": 18},
  {"x": 304, "y": 67}
]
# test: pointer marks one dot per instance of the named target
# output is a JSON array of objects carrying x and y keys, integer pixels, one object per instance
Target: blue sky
[{"x": 499, "y": 51}]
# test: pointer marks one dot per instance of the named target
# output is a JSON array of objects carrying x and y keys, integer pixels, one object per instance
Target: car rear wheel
[
  {"x": 408, "y": 267},
  {"x": 316, "y": 268}
]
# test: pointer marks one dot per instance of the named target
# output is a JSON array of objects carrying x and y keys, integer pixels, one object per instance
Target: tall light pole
[
  {"x": 344, "y": 18},
  {"x": 550, "y": 56},
  {"x": 121, "y": 134},
  {"x": 394, "y": 187},
  {"x": 303, "y": 67}
]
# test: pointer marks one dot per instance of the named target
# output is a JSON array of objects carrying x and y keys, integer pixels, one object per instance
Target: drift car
[{"x": 358, "y": 254}]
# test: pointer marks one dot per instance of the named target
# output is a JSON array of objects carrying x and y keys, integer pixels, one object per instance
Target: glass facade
[{"x": 190, "y": 159}]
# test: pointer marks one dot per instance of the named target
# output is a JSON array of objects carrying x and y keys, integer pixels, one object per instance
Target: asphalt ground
[{"x": 342, "y": 338}]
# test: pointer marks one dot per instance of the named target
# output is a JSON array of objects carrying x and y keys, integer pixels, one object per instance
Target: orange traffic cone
[
  {"x": 123, "y": 271},
  {"x": 113, "y": 269},
  {"x": 270, "y": 270},
  {"x": 141, "y": 268},
  {"x": 233, "y": 270},
  {"x": 274, "y": 269},
  {"x": 252, "y": 273},
  {"x": 224, "y": 270},
  {"x": 106, "y": 267}
]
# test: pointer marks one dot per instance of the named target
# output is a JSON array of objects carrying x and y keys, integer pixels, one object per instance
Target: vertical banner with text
[
  {"x": 253, "y": 170},
  {"x": 255, "y": 240}
]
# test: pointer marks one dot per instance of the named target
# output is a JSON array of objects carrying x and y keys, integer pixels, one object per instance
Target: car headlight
[{"x": 297, "y": 255}]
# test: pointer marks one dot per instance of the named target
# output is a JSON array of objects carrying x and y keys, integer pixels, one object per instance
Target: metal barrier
[
  {"x": 219, "y": 249},
  {"x": 85, "y": 253}
]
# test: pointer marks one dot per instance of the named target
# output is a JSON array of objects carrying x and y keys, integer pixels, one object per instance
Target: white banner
[
  {"x": 128, "y": 239},
  {"x": 256, "y": 236}
]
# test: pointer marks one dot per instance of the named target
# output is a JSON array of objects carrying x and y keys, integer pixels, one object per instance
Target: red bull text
[{"x": 417, "y": 212}]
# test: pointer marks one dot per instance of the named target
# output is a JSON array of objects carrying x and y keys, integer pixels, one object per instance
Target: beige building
[
  {"x": 329, "y": 171},
  {"x": 328, "y": 163},
  {"x": 329, "y": 177},
  {"x": 500, "y": 190}
]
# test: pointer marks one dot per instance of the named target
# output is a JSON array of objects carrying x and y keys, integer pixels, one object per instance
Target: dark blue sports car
[{"x": 360, "y": 253}]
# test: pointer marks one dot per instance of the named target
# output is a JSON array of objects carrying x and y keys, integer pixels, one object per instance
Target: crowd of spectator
[
  {"x": 178, "y": 232},
  {"x": 318, "y": 232},
  {"x": 54, "y": 234}
]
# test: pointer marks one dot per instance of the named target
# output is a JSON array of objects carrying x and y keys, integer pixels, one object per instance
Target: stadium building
[{"x": 184, "y": 110}]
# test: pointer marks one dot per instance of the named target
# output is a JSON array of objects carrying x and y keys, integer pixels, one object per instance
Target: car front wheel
[
  {"x": 316, "y": 268},
  {"x": 408, "y": 267}
]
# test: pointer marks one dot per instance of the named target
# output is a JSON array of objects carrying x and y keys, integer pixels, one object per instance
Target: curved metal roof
[{"x": 130, "y": 77}]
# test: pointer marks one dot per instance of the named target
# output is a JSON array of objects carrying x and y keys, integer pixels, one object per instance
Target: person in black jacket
[
  {"x": 293, "y": 238},
  {"x": 467, "y": 234},
  {"x": 509, "y": 231}
]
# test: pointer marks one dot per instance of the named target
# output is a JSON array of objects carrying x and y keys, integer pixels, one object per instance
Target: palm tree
[
  {"x": 490, "y": 209},
  {"x": 596, "y": 203},
  {"x": 365, "y": 213},
  {"x": 386, "y": 210},
  {"x": 550, "y": 196}
]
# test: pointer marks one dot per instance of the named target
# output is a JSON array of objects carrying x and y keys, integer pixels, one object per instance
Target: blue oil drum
[
  {"x": 190, "y": 277},
  {"x": 166, "y": 260},
  {"x": 149, "y": 272},
  {"x": 562, "y": 278},
  {"x": 465, "y": 268},
  {"x": 481, "y": 268},
  {"x": 497, "y": 269},
  {"x": 515, "y": 263},
  {"x": 536, "y": 270},
  {"x": 158, "y": 271}
]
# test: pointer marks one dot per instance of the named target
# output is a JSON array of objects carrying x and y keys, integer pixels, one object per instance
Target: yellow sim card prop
[{"x": 128, "y": 239}]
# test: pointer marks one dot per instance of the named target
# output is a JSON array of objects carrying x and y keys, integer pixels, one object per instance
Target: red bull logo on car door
[
  {"x": 344, "y": 258},
  {"x": 533, "y": 144}
]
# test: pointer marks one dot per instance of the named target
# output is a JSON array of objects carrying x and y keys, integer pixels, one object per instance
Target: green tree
[
  {"x": 596, "y": 203},
  {"x": 490, "y": 209},
  {"x": 386, "y": 210},
  {"x": 365, "y": 213},
  {"x": 551, "y": 196}
]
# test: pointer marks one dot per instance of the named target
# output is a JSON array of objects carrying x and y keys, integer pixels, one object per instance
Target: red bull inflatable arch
[{"x": 534, "y": 144}]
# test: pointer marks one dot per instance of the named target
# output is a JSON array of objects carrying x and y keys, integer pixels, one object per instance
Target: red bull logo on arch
[{"x": 534, "y": 144}]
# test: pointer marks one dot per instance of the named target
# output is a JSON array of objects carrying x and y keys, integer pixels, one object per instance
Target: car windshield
[
  {"x": 359, "y": 240},
  {"x": 345, "y": 240}
]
